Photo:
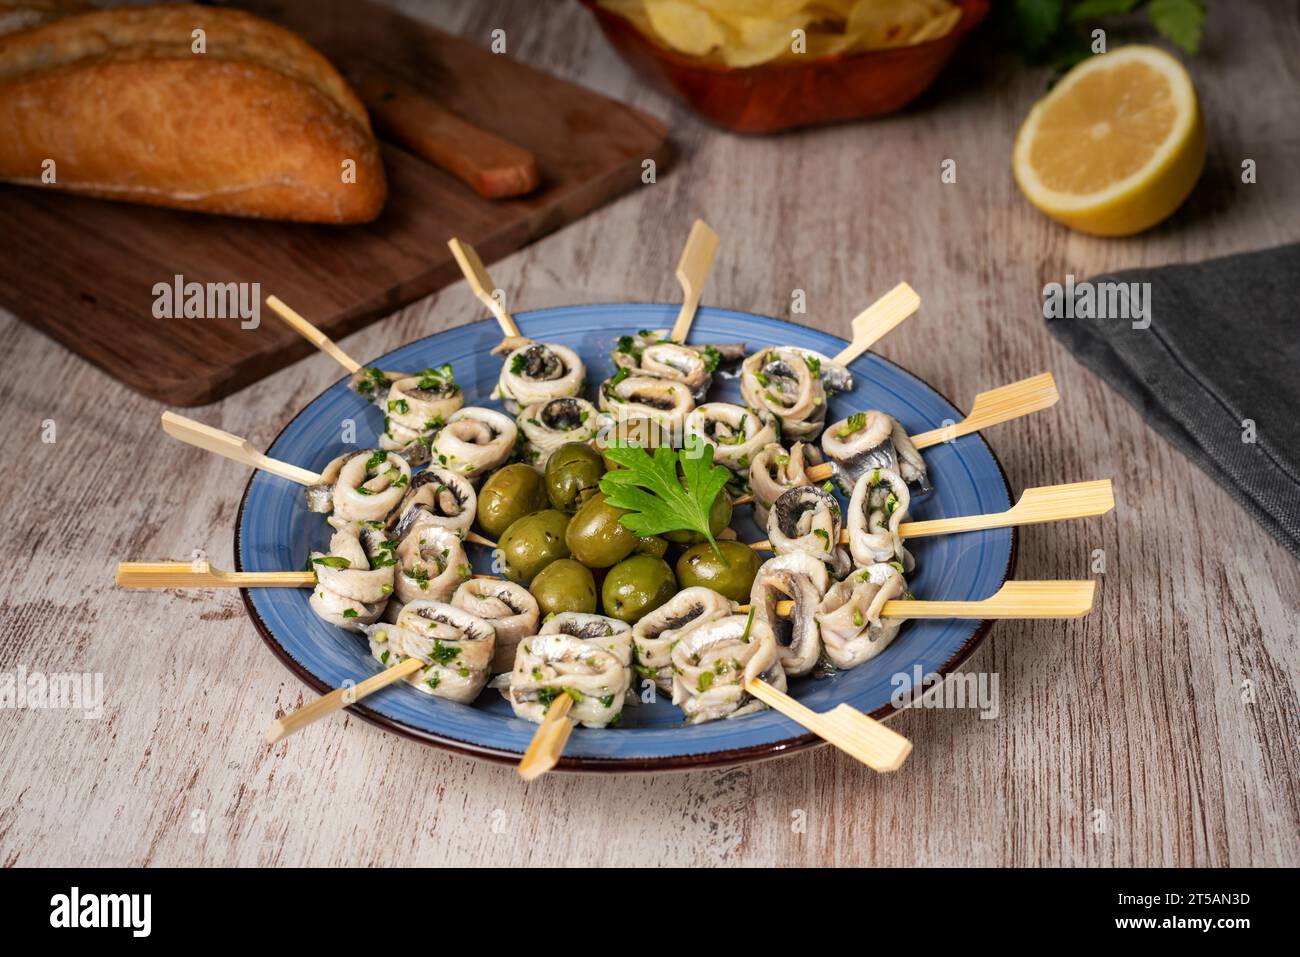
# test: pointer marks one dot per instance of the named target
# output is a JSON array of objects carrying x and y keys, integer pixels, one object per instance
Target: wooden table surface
[{"x": 1162, "y": 729}]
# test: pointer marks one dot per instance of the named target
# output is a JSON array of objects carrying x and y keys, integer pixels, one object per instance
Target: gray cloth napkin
[{"x": 1222, "y": 347}]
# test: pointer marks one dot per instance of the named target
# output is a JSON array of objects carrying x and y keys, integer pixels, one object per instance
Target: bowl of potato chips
[{"x": 759, "y": 66}]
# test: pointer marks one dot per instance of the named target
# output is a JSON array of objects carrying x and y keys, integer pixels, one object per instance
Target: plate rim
[{"x": 625, "y": 765}]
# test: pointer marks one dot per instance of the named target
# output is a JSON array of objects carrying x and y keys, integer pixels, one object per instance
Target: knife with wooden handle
[{"x": 493, "y": 167}]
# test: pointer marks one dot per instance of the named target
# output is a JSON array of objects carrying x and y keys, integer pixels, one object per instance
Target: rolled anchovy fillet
[
  {"x": 474, "y": 441},
  {"x": 436, "y": 497},
  {"x": 871, "y": 440},
  {"x": 455, "y": 646},
  {"x": 510, "y": 608},
  {"x": 548, "y": 425},
  {"x": 431, "y": 564},
  {"x": 361, "y": 486},
  {"x": 805, "y": 519},
  {"x": 352, "y": 584},
  {"x": 711, "y": 664},
  {"x": 879, "y": 505},
  {"x": 782, "y": 383},
  {"x": 804, "y": 580},
  {"x": 737, "y": 434},
  {"x": 589, "y": 656},
  {"x": 650, "y": 352},
  {"x": 851, "y": 627},
  {"x": 774, "y": 471},
  {"x": 653, "y": 636},
  {"x": 417, "y": 406},
  {"x": 536, "y": 372},
  {"x": 661, "y": 401}
]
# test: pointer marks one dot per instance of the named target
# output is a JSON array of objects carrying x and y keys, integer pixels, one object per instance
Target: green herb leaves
[{"x": 657, "y": 499}]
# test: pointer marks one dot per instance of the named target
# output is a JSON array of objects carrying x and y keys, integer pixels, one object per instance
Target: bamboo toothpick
[
  {"x": 856, "y": 734},
  {"x": 871, "y": 324},
  {"x": 997, "y": 406},
  {"x": 313, "y": 335},
  {"x": 990, "y": 408},
  {"x": 339, "y": 699},
  {"x": 232, "y": 447},
  {"x": 1047, "y": 503},
  {"x": 692, "y": 271},
  {"x": 481, "y": 283},
  {"x": 548, "y": 740},
  {"x": 1023, "y": 599},
  {"x": 203, "y": 575}
]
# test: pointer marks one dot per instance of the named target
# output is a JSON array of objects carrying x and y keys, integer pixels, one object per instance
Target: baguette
[{"x": 258, "y": 125}]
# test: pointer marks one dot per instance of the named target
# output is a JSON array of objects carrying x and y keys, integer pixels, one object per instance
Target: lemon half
[{"x": 1116, "y": 146}]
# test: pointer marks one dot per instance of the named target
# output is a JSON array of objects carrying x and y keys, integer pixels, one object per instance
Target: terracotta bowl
[{"x": 781, "y": 96}]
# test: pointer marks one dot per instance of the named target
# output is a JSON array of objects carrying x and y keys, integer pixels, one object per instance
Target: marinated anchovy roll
[
  {"x": 711, "y": 664},
  {"x": 806, "y": 519},
  {"x": 475, "y": 441},
  {"x": 852, "y": 630},
  {"x": 537, "y": 372},
  {"x": 879, "y": 505},
  {"x": 353, "y": 582},
  {"x": 661, "y": 401},
  {"x": 783, "y": 382},
  {"x": 653, "y": 636},
  {"x": 804, "y": 580},
  {"x": 431, "y": 564},
  {"x": 548, "y": 425},
  {"x": 651, "y": 352},
  {"x": 417, "y": 406},
  {"x": 737, "y": 434},
  {"x": 871, "y": 440},
  {"x": 774, "y": 471},
  {"x": 361, "y": 486},
  {"x": 436, "y": 497},
  {"x": 587, "y": 656},
  {"x": 455, "y": 646},
  {"x": 511, "y": 609}
]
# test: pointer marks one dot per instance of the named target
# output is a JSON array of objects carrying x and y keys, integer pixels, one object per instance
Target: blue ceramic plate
[{"x": 275, "y": 532}]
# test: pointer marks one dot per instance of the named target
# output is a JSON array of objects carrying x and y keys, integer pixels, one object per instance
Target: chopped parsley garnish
[
  {"x": 332, "y": 561},
  {"x": 854, "y": 423}
]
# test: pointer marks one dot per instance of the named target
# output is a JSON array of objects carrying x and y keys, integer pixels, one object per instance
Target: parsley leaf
[
  {"x": 658, "y": 501},
  {"x": 1179, "y": 20}
]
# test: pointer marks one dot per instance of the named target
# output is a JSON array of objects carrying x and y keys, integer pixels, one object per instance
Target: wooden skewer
[
  {"x": 1023, "y": 599},
  {"x": 481, "y": 283},
  {"x": 203, "y": 575},
  {"x": 1047, "y": 503},
  {"x": 877, "y": 319},
  {"x": 997, "y": 406},
  {"x": 856, "y": 734},
  {"x": 692, "y": 271},
  {"x": 339, "y": 699},
  {"x": 313, "y": 335},
  {"x": 548, "y": 740},
  {"x": 990, "y": 408},
  {"x": 232, "y": 447}
]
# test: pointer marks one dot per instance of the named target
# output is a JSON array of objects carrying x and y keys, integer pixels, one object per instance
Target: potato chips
[{"x": 742, "y": 33}]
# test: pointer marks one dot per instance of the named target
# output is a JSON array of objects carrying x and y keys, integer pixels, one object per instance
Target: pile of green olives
[{"x": 559, "y": 536}]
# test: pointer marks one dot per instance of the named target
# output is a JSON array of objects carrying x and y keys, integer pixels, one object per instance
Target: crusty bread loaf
[{"x": 258, "y": 125}]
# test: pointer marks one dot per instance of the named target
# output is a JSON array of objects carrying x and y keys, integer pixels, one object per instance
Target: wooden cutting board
[{"x": 84, "y": 270}]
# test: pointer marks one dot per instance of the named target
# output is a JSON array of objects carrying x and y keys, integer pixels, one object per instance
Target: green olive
[
  {"x": 510, "y": 494},
  {"x": 531, "y": 543},
  {"x": 637, "y": 586},
  {"x": 654, "y": 545},
  {"x": 732, "y": 577},
  {"x": 564, "y": 585},
  {"x": 573, "y": 475},
  {"x": 595, "y": 535},
  {"x": 719, "y": 518}
]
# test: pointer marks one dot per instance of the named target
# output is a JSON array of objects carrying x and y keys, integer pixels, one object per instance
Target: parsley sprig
[{"x": 658, "y": 500}]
